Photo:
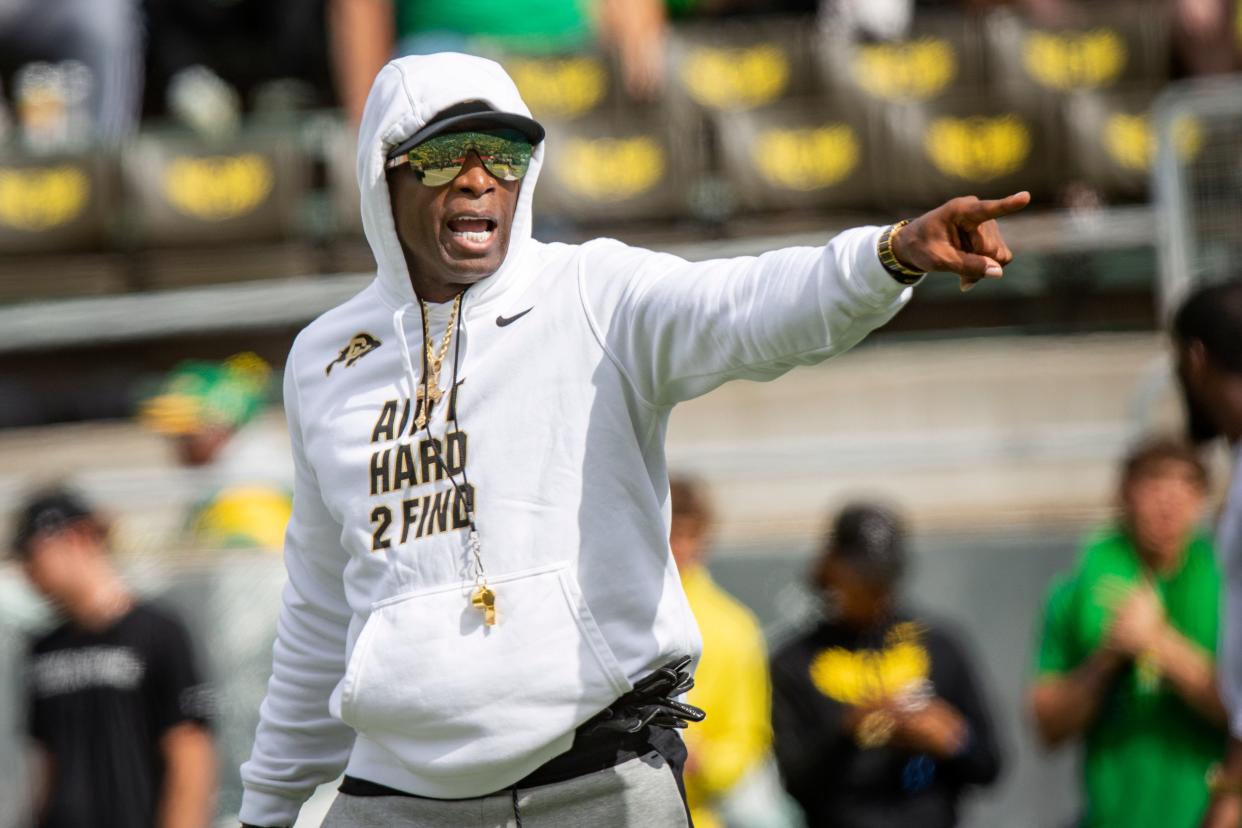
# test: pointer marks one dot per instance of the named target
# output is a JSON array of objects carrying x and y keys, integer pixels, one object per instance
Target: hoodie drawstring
[{"x": 398, "y": 325}]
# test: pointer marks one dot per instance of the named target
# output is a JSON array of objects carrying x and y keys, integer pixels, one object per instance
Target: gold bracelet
[
  {"x": 884, "y": 249},
  {"x": 1218, "y": 784}
]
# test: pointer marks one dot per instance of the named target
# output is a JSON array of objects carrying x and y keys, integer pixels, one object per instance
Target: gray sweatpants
[{"x": 641, "y": 792}]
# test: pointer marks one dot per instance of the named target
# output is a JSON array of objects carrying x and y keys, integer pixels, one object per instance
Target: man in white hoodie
[{"x": 483, "y": 624}]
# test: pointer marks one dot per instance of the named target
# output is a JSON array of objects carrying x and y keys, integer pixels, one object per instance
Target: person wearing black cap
[
  {"x": 117, "y": 708},
  {"x": 879, "y": 719}
]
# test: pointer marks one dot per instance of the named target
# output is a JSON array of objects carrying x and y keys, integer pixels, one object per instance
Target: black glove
[{"x": 653, "y": 702}]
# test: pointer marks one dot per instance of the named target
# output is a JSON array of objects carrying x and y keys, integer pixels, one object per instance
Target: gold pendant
[
  {"x": 483, "y": 598},
  {"x": 424, "y": 398}
]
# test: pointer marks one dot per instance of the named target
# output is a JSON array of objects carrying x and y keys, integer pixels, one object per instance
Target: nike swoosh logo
[{"x": 501, "y": 321}]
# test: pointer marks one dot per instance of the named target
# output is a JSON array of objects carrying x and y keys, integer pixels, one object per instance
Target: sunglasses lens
[
  {"x": 438, "y": 160},
  {"x": 437, "y": 176}
]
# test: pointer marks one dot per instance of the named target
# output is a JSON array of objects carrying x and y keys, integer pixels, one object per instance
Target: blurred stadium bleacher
[
  {"x": 764, "y": 124},
  {"x": 770, "y": 130}
]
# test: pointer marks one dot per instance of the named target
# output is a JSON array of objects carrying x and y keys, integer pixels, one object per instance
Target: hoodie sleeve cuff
[
  {"x": 262, "y": 808},
  {"x": 873, "y": 280}
]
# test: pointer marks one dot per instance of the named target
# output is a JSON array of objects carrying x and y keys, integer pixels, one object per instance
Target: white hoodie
[{"x": 381, "y": 666}]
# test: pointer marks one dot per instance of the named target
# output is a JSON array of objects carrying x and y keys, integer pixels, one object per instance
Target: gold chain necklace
[
  {"x": 429, "y": 392},
  {"x": 482, "y": 597}
]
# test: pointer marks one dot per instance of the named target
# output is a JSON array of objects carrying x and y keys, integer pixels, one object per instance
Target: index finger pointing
[{"x": 982, "y": 211}]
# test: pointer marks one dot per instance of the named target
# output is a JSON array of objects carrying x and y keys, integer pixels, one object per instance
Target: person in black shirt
[
  {"x": 118, "y": 711},
  {"x": 877, "y": 716}
]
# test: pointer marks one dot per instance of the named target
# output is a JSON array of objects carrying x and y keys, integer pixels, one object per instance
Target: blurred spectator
[
  {"x": 366, "y": 34},
  {"x": 207, "y": 57},
  {"x": 203, "y": 408},
  {"x": 1207, "y": 37},
  {"x": 726, "y": 771},
  {"x": 118, "y": 711},
  {"x": 72, "y": 69},
  {"x": 888, "y": 19},
  {"x": 1126, "y": 660},
  {"x": 1207, "y": 332},
  {"x": 879, "y": 717},
  {"x": 1206, "y": 40}
]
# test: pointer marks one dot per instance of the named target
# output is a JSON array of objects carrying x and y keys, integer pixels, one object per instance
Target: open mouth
[{"x": 472, "y": 228}]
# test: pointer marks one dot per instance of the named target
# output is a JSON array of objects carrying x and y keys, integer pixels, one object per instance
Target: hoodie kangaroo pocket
[{"x": 449, "y": 695}]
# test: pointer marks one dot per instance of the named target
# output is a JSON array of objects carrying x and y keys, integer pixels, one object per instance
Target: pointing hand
[{"x": 960, "y": 236}]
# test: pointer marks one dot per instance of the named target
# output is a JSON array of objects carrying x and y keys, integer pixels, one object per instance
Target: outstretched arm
[{"x": 678, "y": 329}]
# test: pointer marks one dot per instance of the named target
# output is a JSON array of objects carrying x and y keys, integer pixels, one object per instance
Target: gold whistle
[{"x": 483, "y": 598}]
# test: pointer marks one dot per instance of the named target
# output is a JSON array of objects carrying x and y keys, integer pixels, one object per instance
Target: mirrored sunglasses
[{"x": 438, "y": 160}]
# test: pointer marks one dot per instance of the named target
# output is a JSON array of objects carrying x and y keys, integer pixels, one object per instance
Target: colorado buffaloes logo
[
  {"x": 37, "y": 199},
  {"x": 806, "y": 159},
  {"x": 359, "y": 346},
  {"x": 1131, "y": 143},
  {"x": 612, "y": 169},
  {"x": 978, "y": 148},
  {"x": 736, "y": 78},
  {"x": 564, "y": 87},
  {"x": 1074, "y": 60},
  {"x": 215, "y": 188},
  {"x": 916, "y": 70}
]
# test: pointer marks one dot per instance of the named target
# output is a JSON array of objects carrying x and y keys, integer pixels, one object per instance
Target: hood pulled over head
[{"x": 406, "y": 95}]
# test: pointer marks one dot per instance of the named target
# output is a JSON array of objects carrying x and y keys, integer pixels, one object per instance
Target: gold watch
[{"x": 884, "y": 249}]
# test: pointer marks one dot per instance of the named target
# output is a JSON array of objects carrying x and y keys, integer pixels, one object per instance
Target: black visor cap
[
  {"x": 470, "y": 115},
  {"x": 46, "y": 512}
]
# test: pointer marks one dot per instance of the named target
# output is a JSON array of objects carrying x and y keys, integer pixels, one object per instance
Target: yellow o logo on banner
[
  {"x": 1130, "y": 141},
  {"x": 1074, "y": 60},
  {"x": 978, "y": 148},
  {"x": 736, "y": 78},
  {"x": 806, "y": 159},
  {"x": 215, "y": 188},
  {"x": 564, "y": 87},
  {"x": 611, "y": 169},
  {"x": 916, "y": 70},
  {"x": 39, "y": 199}
]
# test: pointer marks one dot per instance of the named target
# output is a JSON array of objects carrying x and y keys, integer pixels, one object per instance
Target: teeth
[{"x": 480, "y": 236}]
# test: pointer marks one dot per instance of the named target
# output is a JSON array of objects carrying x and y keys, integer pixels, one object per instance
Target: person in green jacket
[{"x": 1126, "y": 660}]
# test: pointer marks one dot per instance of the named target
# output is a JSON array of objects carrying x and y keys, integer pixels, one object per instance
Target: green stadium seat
[
  {"x": 208, "y": 213},
  {"x": 942, "y": 55},
  {"x": 1113, "y": 139},
  {"x": 630, "y": 167},
  {"x": 340, "y": 157},
  {"x": 183, "y": 191},
  {"x": 57, "y": 219},
  {"x": 565, "y": 87},
  {"x": 56, "y": 204},
  {"x": 743, "y": 64},
  {"x": 1107, "y": 45},
  {"x": 966, "y": 145},
  {"x": 798, "y": 154}
]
